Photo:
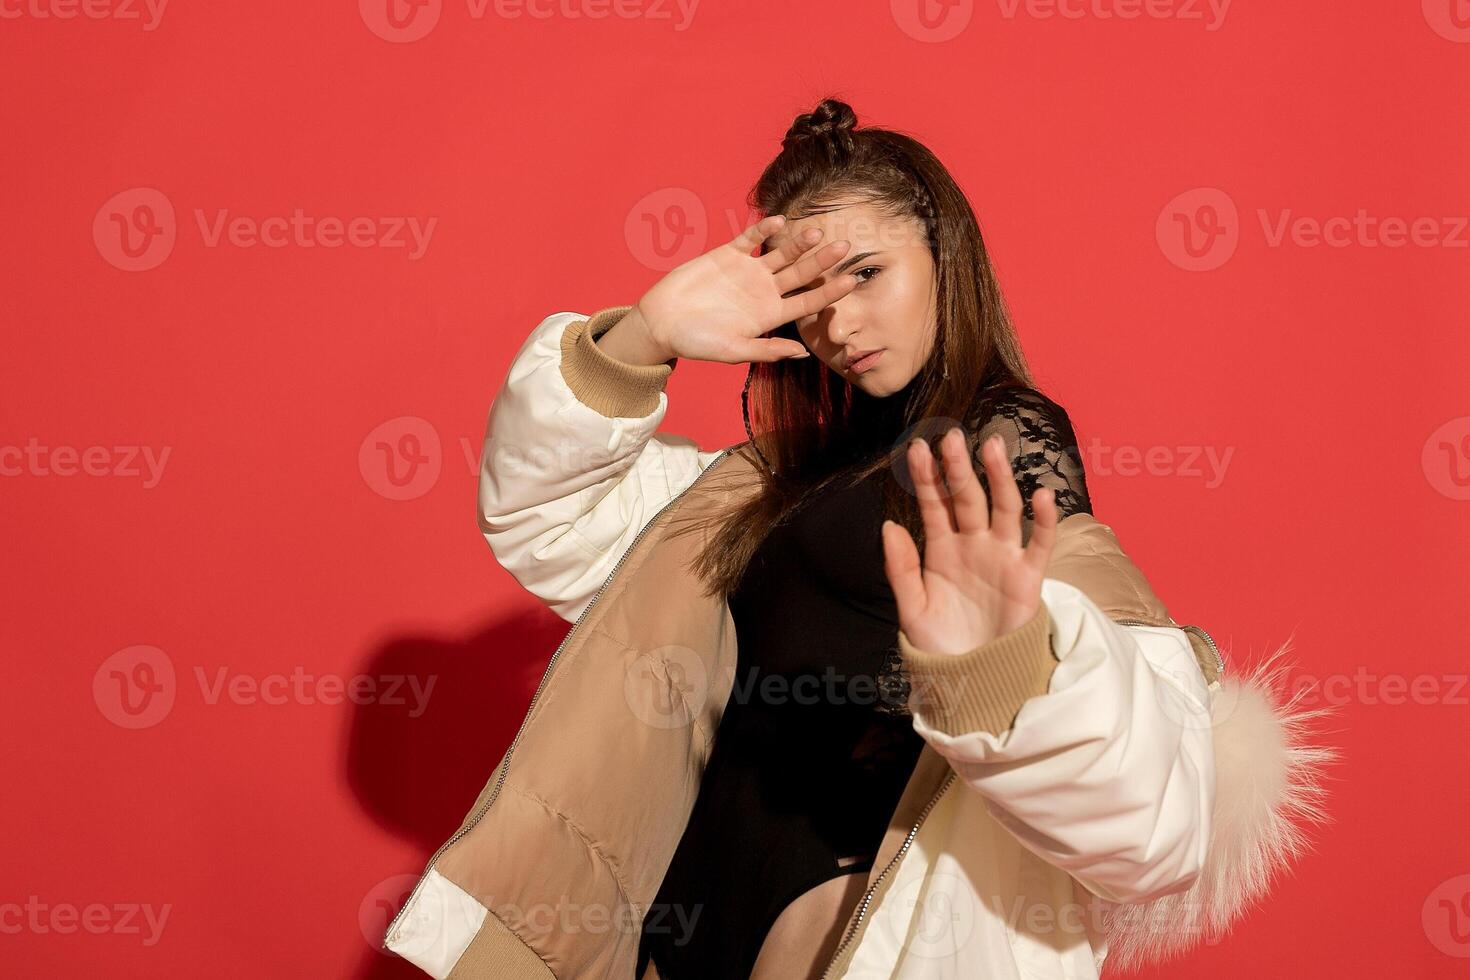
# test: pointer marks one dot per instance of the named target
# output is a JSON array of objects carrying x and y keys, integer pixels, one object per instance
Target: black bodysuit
[{"x": 816, "y": 743}]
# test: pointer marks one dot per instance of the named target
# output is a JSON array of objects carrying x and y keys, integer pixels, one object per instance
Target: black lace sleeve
[{"x": 1042, "y": 449}]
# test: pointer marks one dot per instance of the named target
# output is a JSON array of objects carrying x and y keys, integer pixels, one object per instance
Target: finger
[
  {"x": 1043, "y": 529},
  {"x": 1005, "y": 517},
  {"x": 815, "y": 300},
  {"x": 805, "y": 270},
  {"x": 904, "y": 570},
  {"x": 786, "y": 248},
  {"x": 933, "y": 509},
  {"x": 964, "y": 486},
  {"x": 767, "y": 349},
  {"x": 754, "y": 234}
]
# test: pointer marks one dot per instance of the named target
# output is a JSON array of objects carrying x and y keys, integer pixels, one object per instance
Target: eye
[{"x": 871, "y": 268}]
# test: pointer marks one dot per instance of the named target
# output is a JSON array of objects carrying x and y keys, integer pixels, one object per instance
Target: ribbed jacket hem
[
  {"x": 982, "y": 690},
  {"x": 602, "y": 382},
  {"x": 496, "y": 952}
]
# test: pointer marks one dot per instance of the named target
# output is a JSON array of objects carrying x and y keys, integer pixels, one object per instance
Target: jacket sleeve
[
  {"x": 1090, "y": 741},
  {"x": 573, "y": 466}
]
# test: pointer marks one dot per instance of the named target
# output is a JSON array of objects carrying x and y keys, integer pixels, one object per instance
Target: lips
[{"x": 864, "y": 360}]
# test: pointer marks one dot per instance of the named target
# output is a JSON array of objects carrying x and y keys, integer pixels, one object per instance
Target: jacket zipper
[
  {"x": 893, "y": 863},
  {"x": 505, "y": 765},
  {"x": 1219, "y": 660}
]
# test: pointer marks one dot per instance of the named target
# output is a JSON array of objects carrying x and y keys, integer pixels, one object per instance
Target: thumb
[{"x": 904, "y": 570}]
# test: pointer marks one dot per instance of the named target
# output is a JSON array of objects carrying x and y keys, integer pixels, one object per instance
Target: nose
[{"x": 838, "y": 327}]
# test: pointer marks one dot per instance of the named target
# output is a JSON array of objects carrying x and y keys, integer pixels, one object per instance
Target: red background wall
[{"x": 322, "y": 407}]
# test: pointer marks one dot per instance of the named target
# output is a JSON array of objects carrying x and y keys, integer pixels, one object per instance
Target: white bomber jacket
[{"x": 1093, "y": 789}]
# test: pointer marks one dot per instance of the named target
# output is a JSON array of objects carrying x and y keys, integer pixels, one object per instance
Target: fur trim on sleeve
[{"x": 1269, "y": 784}]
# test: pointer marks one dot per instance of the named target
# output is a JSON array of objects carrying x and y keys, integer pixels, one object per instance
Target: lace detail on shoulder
[{"x": 1042, "y": 449}]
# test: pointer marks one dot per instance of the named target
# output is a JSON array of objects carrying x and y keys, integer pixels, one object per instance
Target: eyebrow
[{"x": 850, "y": 261}]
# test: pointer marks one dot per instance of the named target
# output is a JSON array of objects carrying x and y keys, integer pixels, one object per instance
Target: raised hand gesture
[
  {"x": 976, "y": 580},
  {"x": 718, "y": 306}
]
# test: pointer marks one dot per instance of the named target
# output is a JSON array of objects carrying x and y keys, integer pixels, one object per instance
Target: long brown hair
[{"x": 817, "y": 430}]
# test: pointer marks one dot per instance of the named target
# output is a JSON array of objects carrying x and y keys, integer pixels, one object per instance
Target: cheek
[
  {"x": 907, "y": 306},
  {"x": 925, "y": 342},
  {"x": 810, "y": 336},
  {"x": 912, "y": 296}
]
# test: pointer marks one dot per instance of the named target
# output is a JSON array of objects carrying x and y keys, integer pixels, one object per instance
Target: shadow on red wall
[{"x": 417, "y": 764}]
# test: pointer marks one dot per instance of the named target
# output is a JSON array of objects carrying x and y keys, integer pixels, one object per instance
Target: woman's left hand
[{"x": 976, "y": 581}]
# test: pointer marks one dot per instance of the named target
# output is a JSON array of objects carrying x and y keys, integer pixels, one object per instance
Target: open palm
[
  {"x": 718, "y": 306},
  {"x": 976, "y": 580}
]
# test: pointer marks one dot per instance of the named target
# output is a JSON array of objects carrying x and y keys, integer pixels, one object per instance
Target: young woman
[
  {"x": 834, "y": 704},
  {"x": 870, "y": 247}
]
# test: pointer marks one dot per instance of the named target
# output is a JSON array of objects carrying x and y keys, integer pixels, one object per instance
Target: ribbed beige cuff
[
  {"x": 602, "y": 382},
  {"x": 497, "y": 951},
  {"x": 982, "y": 690}
]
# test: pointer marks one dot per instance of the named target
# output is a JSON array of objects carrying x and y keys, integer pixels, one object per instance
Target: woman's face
[{"x": 891, "y": 310}]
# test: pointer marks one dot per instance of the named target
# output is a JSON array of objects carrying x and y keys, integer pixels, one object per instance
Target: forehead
[{"x": 866, "y": 227}]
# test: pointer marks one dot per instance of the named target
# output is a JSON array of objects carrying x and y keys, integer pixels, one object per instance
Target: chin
[{"x": 874, "y": 386}]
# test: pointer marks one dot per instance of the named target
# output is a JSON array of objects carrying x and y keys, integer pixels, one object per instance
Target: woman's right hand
[{"x": 717, "y": 306}]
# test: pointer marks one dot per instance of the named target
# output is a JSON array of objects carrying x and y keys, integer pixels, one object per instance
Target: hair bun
[{"x": 832, "y": 119}]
